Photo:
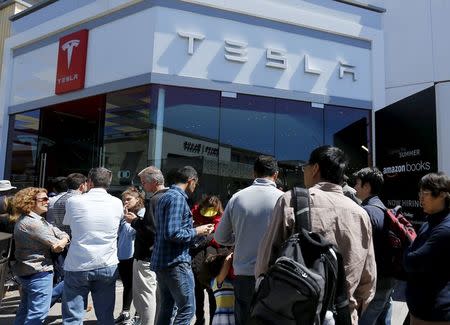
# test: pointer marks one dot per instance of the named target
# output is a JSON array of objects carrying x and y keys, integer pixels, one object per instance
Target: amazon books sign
[{"x": 406, "y": 149}]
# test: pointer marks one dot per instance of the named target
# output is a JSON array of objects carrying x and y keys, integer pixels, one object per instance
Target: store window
[
  {"x": 23, "y": 149},
  {"x": 128, "y": 122},
  {"x": 299, "y": 130},
  {"x": 247, "y": 128},
  {"x": 349, "y": 129},
  {"x": 187, "y": 133}
]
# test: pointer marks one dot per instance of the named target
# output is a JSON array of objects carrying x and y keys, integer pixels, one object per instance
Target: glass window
[
  {"x": 349, "y": 129},
  {"x": 298, "y": 131},
  {"x": 247, "y": 128},
  {"x": 186, "y": 133},
  {"x": 125, "y": 141},
  {"x": 23, "y": 149}
]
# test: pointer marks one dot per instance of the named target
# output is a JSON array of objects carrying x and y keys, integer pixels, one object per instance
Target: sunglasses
[{"x": 42, "y": 199}]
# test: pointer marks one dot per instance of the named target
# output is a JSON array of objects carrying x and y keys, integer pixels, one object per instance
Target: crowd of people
[{"x": 168, "y": 253}]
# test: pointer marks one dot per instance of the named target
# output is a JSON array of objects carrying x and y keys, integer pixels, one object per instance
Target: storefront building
[{"x": 125, "y": 84}]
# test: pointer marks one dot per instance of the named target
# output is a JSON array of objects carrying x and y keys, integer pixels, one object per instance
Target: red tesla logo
[{"x": 71, "y": 69}]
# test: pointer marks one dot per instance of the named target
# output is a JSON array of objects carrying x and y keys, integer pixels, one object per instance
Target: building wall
[
  {"x": 7, "y": 10},
  {"x": 417, "y": 55},
  {"x": 28, "y": 85}
]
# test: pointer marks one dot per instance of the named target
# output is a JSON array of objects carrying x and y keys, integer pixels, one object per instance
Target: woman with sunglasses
[
  {"x": 35, "y": 240},
  {"x": 427, "y": 260}
]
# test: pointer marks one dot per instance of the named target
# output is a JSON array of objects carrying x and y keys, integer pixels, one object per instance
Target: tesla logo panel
[{"x": 71, "y": 70}]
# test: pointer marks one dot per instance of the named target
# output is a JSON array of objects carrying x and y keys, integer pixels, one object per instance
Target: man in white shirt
[{"x": 91, "y": 263}]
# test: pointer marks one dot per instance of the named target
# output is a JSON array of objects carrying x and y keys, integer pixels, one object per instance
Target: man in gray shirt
[{"x": 244, "y": 222}]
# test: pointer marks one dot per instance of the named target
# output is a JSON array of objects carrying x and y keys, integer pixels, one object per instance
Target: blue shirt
[
  {"x": 174, "y": 230},
  {"x": 125, "y": 240}
]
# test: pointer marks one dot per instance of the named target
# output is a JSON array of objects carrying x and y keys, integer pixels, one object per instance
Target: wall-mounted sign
[
  {"x": 71, "y": 69},
  {"x": 406, "y": 149},
  {"x": 301, "y": 60},
  {"x": 236, "y": 51}
]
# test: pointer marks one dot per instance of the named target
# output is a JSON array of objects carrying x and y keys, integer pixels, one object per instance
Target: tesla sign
[{"x": 71, "y": 69}]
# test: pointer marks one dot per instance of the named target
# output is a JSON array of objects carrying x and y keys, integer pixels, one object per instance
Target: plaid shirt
[
  {"x": 174, "y": 230},
  {"x": 55, "y": 214}
]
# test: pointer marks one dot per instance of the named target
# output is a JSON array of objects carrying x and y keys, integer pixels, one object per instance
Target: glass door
[{"x": 69, "y": 139}]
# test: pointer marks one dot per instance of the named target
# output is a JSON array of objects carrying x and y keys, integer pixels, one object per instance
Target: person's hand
[
  {"x": 59, "y": 246},
  {"x": 129, "y": 217},
  {"x": 205, "y": 229}
]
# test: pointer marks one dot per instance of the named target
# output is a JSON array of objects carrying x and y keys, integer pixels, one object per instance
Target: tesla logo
[
  {"x": 68, "y": 46},
  {"x": 72, "y": 54}
]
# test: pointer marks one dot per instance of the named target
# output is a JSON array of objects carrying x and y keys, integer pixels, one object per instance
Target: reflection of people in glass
[{"x": 426, "y": 261}]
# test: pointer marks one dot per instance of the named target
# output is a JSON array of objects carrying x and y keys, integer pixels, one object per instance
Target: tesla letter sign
[{"x": 71, "y": 70}]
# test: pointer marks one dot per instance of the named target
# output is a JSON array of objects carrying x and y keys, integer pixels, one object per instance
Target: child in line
[{"x": 217, "y": 271}]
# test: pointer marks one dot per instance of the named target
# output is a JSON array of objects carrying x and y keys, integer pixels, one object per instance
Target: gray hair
[
  {"x": 151, "y": 173},
  {"x": 100, "y": 177}
]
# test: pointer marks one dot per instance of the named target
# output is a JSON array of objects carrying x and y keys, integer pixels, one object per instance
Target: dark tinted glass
[
  {"x": 22, "y": 147},
  {"x": 298, "y": 130},
  {"x": 349, "y": 129}
]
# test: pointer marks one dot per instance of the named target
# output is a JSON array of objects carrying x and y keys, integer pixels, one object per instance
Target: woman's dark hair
[
  {"x": 211, "y": 201},
  {"x": 436, "y": 183},
  {"x": 211, "y": 268}
]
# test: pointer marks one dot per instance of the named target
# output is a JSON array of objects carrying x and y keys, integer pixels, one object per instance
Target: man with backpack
[
  {"x": 369, "y": 182},
  {"x": 334, "y": 216}
]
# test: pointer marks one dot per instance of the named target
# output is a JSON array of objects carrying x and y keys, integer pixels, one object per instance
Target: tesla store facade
[{"x": 126, "y": 84}]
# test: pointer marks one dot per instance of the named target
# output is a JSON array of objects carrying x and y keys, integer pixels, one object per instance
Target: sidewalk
[{"x": 11, "y": 301}]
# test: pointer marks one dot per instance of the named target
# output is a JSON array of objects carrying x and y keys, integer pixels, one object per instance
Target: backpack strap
[{"x": 302, "y": 209}]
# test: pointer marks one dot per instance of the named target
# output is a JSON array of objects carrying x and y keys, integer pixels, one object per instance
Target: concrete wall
[{"x": 417, "y": 55}]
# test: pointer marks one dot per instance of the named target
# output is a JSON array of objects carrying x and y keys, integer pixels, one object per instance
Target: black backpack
[{"x": 306, "y": 284}]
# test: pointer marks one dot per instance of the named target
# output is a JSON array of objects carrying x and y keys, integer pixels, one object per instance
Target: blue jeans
[
  {"x": 36, "y": 298},
  {"x": 176, "y": 285},
  {"x": 244, "y": 288},
  {"x": 379, "y": 310},
  {"x": 101, "y": 283},
  {"x": 57, "y": 292}
]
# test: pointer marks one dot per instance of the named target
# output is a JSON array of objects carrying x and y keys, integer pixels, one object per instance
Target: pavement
[{"x": 10, "y": 303}]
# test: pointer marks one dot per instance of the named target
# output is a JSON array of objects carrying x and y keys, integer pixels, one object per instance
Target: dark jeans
[
  {"x": 244, "y": 287},
  {"x": 379, "y": 311},
  {"x": 200, "y": 303},
  {"x": 176, "y": 285},
  {"x": 126, "y": 275}
]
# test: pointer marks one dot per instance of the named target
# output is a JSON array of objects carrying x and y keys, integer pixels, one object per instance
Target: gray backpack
[{"x": 306, "y": 284}]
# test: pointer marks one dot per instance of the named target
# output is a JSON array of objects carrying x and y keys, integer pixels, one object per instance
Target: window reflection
[
  {"x": 298, "y": 131},
  {"x": 125, "y": 141},
  {"x": 189, "y": 135},
  {"x": 247, "y": 126},
  {"x": 349, "y": 129},
  {"x": 23, "y": 145}
]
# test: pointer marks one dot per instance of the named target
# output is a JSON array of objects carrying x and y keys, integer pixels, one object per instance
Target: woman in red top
[{"x": 209, "y": 210}]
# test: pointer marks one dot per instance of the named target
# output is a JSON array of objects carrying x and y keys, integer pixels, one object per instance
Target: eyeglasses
[
  {"x": 423, "y": 193},
  {"x": 42, "y": 199}
]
